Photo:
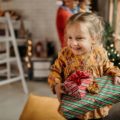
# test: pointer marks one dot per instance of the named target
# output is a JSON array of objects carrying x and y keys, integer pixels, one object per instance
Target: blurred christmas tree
[{"x": 113, "y": 55}]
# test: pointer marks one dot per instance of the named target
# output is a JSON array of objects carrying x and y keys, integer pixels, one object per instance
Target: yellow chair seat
[{"x": 41, "y": 108}]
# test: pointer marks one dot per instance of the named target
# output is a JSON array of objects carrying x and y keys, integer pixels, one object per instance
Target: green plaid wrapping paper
[{"x": 109, "y": 94}]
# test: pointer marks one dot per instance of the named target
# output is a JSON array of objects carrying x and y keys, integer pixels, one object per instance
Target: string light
[
  {"x": 113, "y": 59},
  {"x": 29, "y": 65},
  {"x": 29, "y": 53},
  {"x": 115, "y": 52},
  {"x": 112, "y": 50},
  {"x": 118, "y": 55},
  {"x": 29, "y": 42},
  {"x": 108, "y": 54},
  {"x": 111, "y": 45},
  {"x": 26, "y": 59},
  {"x": 29, "y": 48}
]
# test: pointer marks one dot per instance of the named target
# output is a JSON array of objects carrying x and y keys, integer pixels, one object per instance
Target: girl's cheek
[{"x": 68, "y": 42}]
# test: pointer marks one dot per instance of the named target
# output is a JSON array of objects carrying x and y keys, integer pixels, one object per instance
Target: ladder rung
[
  {"x": 5, "y": 39},
  {"x": 3, "y": 82},
  {"x": 3, "y": 71},
  {"x": 7, "y": 60}
]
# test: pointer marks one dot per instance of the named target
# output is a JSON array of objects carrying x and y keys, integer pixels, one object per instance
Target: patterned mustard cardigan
[{"x": 96, "y": 62}]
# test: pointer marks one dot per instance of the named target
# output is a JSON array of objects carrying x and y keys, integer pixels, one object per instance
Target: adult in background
[
  {"x": 85, "y": 5},
  {"x": 67, "y": 9}
]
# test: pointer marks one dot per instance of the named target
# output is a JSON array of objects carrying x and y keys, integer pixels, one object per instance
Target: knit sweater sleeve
[{"x": 55, "y": 76}]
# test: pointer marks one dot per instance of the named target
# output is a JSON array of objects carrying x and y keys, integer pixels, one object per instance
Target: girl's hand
[
  {"x": 59, "y": 91},
  {"x": 117, "y": 80}
]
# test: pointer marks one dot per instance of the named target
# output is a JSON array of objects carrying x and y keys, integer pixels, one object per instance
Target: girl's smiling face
[{"x": 78, "y": 38}]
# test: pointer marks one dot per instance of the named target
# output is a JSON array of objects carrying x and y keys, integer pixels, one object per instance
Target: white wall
[{"x": 41, "y": 15}]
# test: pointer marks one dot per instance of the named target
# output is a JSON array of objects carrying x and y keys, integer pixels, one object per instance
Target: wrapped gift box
[{"x": 109, "y": 94}]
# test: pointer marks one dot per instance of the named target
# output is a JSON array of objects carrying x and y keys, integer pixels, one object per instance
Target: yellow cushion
[{"x": 41, "y": 108}]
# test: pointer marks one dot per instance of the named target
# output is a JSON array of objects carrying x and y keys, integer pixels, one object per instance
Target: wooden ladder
[{"x": 5, "y": 58}]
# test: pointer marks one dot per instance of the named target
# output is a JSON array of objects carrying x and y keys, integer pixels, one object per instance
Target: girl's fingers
[
  {"x": 59, "y": 98},
  {"x": 117, "y": 81},
  {"x": 63, "y": 91},
  {"x": 59, "y": 91}
]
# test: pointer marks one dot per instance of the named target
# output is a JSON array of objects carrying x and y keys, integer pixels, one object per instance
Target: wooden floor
[{"x": 12, "y": 99}]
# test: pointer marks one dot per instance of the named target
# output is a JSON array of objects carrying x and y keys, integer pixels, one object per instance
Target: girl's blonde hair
[{"x": 95, "y": 23}]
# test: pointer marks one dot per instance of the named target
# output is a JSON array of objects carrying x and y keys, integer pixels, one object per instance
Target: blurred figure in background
[
  {"x": 67, "y": 9},
  {"x": 85, "y": 5}
]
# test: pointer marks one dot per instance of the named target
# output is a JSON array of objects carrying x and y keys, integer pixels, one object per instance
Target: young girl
[{"x": 83, "y": 52}]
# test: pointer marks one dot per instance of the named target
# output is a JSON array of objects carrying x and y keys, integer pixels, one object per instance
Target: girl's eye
[
  {"x": 70, "y": 38},
  {"x": 79, "y": 39}
]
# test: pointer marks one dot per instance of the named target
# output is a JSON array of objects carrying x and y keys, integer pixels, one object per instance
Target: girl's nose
[{"x": 75, "y": 43}]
